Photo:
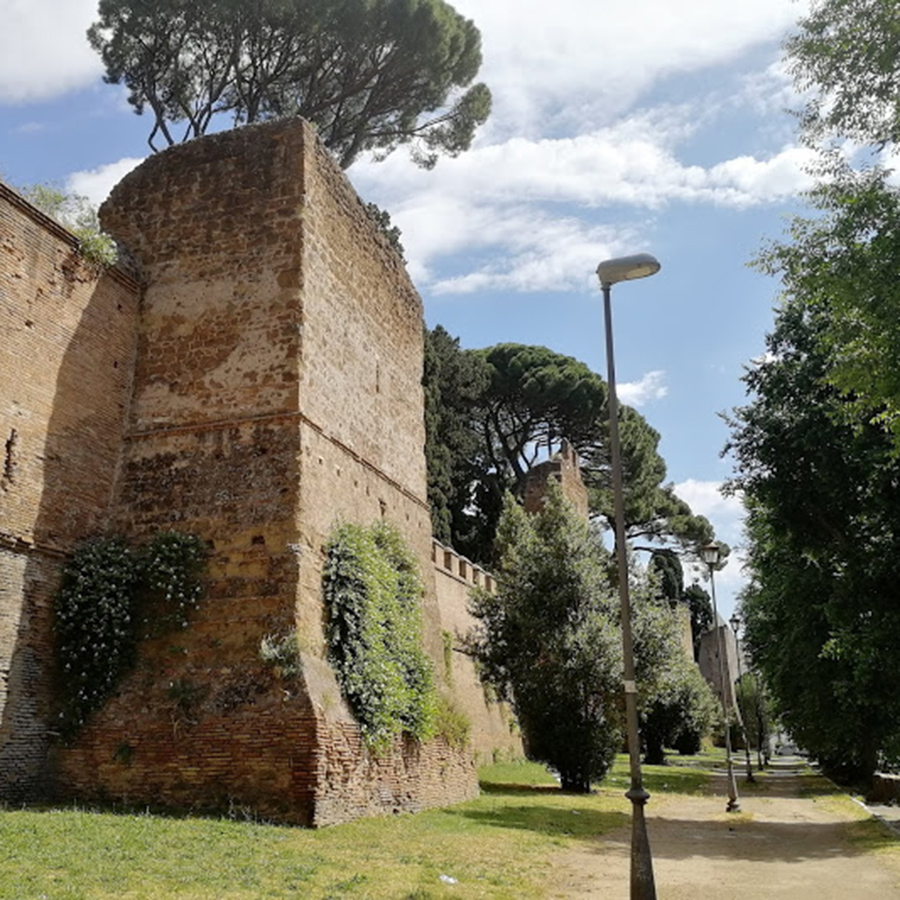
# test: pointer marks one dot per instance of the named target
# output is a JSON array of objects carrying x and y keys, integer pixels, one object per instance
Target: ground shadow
[{"x": 547, "y": 820}]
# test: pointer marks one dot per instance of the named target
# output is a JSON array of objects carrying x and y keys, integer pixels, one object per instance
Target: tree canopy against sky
[
  {"x": 844, "y": 258},
  {"x": 847, "y": 54},
  {"x": 369, "y": 74},
  {"x": 823, "y": 496},
  {"x": 492, "y": 413},
  {"x": 817, "y": 446}
]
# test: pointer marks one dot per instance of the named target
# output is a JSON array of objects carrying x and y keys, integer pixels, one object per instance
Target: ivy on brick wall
[
  {"x": 374, "y": 630},
  {"x": 112, "y": 596}
]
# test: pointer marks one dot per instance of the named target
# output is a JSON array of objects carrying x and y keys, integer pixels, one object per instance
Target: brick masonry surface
[
  {"x": 262, "y": 384},
  {"x": 66, "y": 358}
]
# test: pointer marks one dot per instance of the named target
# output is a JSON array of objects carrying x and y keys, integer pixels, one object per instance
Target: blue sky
[{"x": 618, "y": 127}]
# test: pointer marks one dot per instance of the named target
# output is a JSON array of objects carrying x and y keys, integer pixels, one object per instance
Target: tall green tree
[
  {"x": 842, "y": 259},
  {"x": 845, "y": 54},
  {"x": 699, "y": 603},
  {"x": 667, "y": 568},
  {"x": 453, "y": 381},
  {"x": 550, "y": 642},
  {"x": 527, "y": 399},
  {"x": 369, "y": 74},
  {"x": 822, "y": 491}
]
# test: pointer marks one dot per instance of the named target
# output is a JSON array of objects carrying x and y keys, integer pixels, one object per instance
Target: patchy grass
[
  {"x": 498, "y": 846},
  {"x": 689, "y": 775}
]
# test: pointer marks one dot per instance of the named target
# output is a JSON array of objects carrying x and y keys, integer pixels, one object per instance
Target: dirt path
[{"x": 781, "y": 844}]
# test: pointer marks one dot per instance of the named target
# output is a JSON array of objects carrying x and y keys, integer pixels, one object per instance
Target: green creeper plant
[
  {"x": 374, "y": 632},
  {"x": 111, "y": 596}
]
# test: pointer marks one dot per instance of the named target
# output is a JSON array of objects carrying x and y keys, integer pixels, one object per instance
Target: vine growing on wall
[
  {"x": 113, "y": 595},
  {"x": 374, "y": 631}
]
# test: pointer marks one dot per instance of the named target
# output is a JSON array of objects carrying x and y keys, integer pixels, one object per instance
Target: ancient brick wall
[
  {"x": 66, "y": 359},
  {"x": 260, "y": 384},
  {"x": 494, "y": 730},
  {"x": 276, "y": 392},
  {"x": 564, "y": 468}
]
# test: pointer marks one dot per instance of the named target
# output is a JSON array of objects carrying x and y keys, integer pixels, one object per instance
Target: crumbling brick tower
[{"x": 276, "y": 390}]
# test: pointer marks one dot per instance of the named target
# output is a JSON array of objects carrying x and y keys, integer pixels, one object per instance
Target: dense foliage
[
  {"x": 492, "y": 413},
  {"x": 112, "y": 596},
  {"x": 369, "y": 74},
  {"x": 822, "y": 489},
  {"x": 699, "y": 602},
  {"x": 452, "y": 381},
  {"x": 549, "y": 641},
  {"x": 842, "y": 260},
  {"x": 374, "y": 631},
  {"x": 817, "y": 446},
  {"x": 846, "y": 56},
  {"x": 681, "y": 711}
]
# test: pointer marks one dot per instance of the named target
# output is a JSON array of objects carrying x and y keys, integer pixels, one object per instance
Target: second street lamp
[
  {"x": 710, "y": 554},
  {"x": 735, "y": 624},
  {"x": 611, "y": 272}
]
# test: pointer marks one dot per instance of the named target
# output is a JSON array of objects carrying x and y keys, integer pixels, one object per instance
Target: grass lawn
[{"x": 497, "y": 846}]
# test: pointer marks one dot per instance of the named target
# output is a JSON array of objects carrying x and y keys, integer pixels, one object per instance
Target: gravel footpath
[{"x": 783, "y": 843}]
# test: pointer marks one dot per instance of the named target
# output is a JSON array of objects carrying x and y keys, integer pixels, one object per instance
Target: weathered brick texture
[
  {"x": 66, "y": 358},
  {"x": 272, "y": 388}
]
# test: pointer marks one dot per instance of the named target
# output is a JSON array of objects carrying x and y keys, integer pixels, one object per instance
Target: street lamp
[
  {"x": 735, "y": 624},
  {"x": 611, "y": 272},
  {"x": 710, "y": 555}
]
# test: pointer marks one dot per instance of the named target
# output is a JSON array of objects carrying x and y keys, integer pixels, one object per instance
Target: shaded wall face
[
  {"x": 273, "y": 396},
  {"x": 213, "y": 448},
  {"x": 494, "y": 732},
  {"x": 65, "y": 372},
  {"x": 361, "y": 400}
]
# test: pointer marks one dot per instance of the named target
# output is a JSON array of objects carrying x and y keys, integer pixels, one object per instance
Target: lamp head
[
  {"x": 735, "y": 621},
  {"x": 710, "y": 554},
  {"x": 627, "y": 268}
]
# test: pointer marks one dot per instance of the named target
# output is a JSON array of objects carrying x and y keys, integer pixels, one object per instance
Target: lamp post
[
  {"x": 643, "y": 887},
  {"x": 710, "y": 554},
  {"x": 735, "y": 624}
]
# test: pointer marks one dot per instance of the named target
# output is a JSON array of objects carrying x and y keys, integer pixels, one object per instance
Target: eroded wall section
[
  {"x": 66, "y": 356},
  {"x": 276, "y": 392}
]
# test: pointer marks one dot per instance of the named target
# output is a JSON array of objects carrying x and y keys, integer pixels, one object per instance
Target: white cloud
[
  {"x": 538, "y": 204},
  {"x": 95, "y": 184},
  {"x": 595, "y": 60},
  {"x": 727, "y": 517},
  {"x": 637, "y": 393},
  {"x": 706, "y": 499},
  {"x": 43, "y": 49}
]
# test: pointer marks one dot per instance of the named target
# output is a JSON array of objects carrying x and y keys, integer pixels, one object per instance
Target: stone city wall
[
  {"x": 66, "y": 360},
  {"x": 277, "y": 392},
  {"x": 260, "y": 385},
  {"x": 495, "y": 733}
]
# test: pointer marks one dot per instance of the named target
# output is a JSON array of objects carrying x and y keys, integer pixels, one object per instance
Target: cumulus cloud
[
  {"x": 538, "y": 204},
  {"x": 539, "y": 60},
  {"x": 638, "y": 393},
  {"x": 43, "y": 49},
  {"x": 95, "y": 184}
]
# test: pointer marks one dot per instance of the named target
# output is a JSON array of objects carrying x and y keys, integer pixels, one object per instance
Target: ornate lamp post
[
  {"x": 710, "y": 554},
  {"x": 643, "y": 887},
  {"x": 735, "y": 625}
]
